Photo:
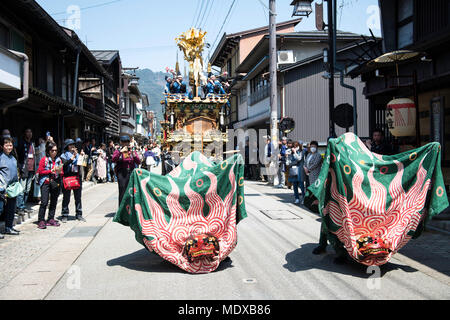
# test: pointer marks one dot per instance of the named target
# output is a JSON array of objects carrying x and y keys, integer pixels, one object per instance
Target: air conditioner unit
[{"x": 286, "y": 57}]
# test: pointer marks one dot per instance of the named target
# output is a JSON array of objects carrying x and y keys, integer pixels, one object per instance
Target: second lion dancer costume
[
  {"x": 372, "y": 205},
  {"x": 126, "y": 161}
]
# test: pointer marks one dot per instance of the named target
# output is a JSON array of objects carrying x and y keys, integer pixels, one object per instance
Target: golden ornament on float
[{"x": 401, "y": 117}]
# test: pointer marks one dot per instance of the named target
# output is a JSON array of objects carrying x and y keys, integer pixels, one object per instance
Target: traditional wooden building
[
  {"x": 232, "y": 50},
  {"x": 132, "y": 97},
  {"x": 113, "y": 91},
  {"x": 57, "y": 59},
  {"x": 422, "y": 27},
  {"x": 302, "y": 90},
  {"x": 142, "y": 123}
]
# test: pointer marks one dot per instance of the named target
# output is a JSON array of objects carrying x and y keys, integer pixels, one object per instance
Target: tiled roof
[{"x": 105, "y": 56}]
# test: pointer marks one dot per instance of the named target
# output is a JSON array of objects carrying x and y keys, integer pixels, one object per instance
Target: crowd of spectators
[
  {"x": 38, "y": 172},
  {"x": 299, "y": 164}
]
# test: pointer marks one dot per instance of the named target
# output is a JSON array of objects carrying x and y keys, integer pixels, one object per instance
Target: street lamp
[{"x": 302, "y": 8}]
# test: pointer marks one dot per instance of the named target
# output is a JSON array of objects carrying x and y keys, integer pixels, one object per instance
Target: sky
[{"x": 144, "y": 31}]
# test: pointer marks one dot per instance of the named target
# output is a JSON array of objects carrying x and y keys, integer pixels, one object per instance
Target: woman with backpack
[{"x": 50, "y": 179}]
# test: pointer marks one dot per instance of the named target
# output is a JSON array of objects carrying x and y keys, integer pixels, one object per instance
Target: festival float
[
  {"x": 189, "y": 217},
  {"x": 192, "y": 122}
]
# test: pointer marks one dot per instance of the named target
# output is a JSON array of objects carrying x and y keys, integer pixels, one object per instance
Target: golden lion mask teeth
[{"x": 201, "y": 246}]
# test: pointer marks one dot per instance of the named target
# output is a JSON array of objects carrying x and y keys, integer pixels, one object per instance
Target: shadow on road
[
  {"x": 110, "y": 215},
  {"x": 145, "y": 261},
  {"x": 303, "y": 259},
  {"x": 431, "y": 250}
]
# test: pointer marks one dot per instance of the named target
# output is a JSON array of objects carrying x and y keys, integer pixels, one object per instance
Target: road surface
[{"x": 100, "y": 259}]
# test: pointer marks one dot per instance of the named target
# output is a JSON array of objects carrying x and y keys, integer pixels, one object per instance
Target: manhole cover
[
  {"x": 82, "y": 232},
  {"x": 281, "y": 215}
]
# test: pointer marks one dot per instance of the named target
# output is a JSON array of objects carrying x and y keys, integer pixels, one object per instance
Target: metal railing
[{"x": 259, "y": 95}]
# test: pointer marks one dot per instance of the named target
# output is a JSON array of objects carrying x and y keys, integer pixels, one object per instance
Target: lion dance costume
[
  {"x": 372, "y": 205},
  {"x": 189, "y": 217}
]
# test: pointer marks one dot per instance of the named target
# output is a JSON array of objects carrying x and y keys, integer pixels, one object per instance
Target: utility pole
[
  {"x": 273, "y": 74},
  {"x": 332, "y": 61}
]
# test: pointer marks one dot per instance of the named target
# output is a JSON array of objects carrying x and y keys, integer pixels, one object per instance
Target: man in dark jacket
[
  {"x": 282, "y": 163},
  {"x": 110, "y": 164},
  {"x": 71, "y": 169},
  {"x": 378, "y": 144}
]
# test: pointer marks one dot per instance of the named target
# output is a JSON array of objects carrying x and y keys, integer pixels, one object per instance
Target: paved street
[{"x": 100, "y": 259}]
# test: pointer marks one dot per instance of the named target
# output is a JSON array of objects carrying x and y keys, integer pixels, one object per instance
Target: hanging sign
[{"x": 401, "y": 117}]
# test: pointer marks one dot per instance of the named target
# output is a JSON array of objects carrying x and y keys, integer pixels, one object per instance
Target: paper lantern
[{"x": 401, "y": 117}]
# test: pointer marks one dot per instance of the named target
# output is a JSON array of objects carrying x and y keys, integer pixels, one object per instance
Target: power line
[
  {"x": 340, "y": 12},
  {"x": 157, "y": 47},
  {"x": 200, "y": 21},
  {"x": 209, "y": 5},
  {"x": 264, "y": 5},
  {"x": 195, "y": 13},
  {"x": 223, "y": 24},
  {"x": 265, "y": 12},
  {"x": 200, "y": 12},
  {"x": 344, "y": 3},
  {"x": 214, "y": 24},
  {"x": 209, "y": 13},
  {"x": 90, "y": 7}
]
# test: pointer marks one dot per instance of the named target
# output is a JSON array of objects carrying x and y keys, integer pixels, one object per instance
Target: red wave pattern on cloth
[
  {"x": 363, "y": 215},
  {"x": 169, "y": 238}
]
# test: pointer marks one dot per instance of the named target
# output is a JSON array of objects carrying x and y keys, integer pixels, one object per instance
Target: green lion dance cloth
[
  {"x": 372, "y": 204},
  {"x": 189, "y": 217}
]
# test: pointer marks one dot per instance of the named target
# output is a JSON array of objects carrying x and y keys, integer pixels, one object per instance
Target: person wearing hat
[
  {"x": 282, "y": 163},
  {"x": 71, "y": 169},
  {"x": 225, "y": 82},
  {"x": 126, "y": 161},
  {"x": 214, "y": 86},
  {"x": 179, "y": 86},
  {"x": 50, "y": 179},
  {"x": 169, "y": 83}
]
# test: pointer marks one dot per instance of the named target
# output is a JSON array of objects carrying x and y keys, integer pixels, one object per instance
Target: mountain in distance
[{"x": 152, "y": 84}]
